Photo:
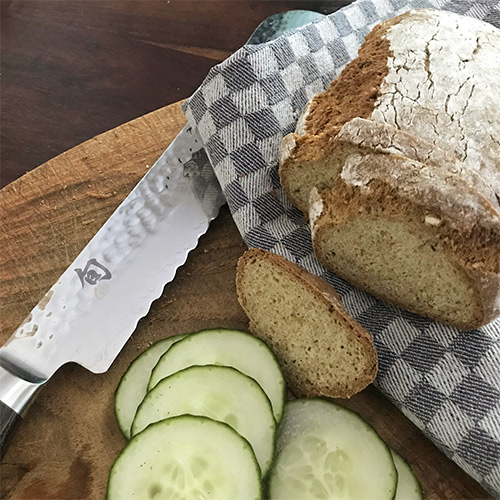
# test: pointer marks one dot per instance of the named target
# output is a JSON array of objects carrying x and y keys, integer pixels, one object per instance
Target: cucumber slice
[
  {"x": 233, "y": 348},
  {"x": 408, "y": 485},
  {"x": 217, "y": 392},
  {"x": 134, "y": 383},
  {"x": 327, "y": 452},
  {"x": 186, "y": 457}
]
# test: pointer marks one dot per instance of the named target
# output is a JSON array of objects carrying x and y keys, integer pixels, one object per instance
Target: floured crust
[
  {"x": 429, "y": 73},
  {"x": 468, "y": 220},
  {"x": 302, "y": 382},
  {"x": 466, "y": 230},
  {"x": 442, "y": 84},
  {"x": 379, "y": 137}
]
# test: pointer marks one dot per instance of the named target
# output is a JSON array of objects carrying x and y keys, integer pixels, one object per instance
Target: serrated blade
[{"x": 89, "y": 314}]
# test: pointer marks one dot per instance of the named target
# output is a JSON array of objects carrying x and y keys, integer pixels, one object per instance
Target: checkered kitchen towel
[{"x": 446, "y": 381}]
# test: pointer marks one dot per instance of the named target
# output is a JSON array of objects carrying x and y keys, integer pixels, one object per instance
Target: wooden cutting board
[{"x": 69, "y": 438}]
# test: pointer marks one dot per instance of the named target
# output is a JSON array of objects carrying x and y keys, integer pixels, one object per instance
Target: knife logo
[{"x": 93, "y": 273}]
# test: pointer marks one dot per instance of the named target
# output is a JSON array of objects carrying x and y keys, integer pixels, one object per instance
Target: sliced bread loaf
[
  {"x": 430, "y": 73},
  {"x": 408, "y": 140},
  {"x": 431, "y": 247},
  {"x": 322, "y": 350}
]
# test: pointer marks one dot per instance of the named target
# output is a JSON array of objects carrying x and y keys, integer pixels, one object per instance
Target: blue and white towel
[{"x": 444, "y": 380}]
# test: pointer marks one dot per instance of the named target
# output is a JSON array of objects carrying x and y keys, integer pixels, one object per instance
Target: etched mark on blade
[
  {"x": 92, "y": 273},
  {"x": 146, "y": 240}
]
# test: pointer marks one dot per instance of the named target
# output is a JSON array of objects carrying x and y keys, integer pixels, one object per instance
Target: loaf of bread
[
  {"x": 430, "y": 73},
  {"x": 389, "y": 233},
  {"x": 403, "y": 151},
  {"x": 322, "y": 350}
]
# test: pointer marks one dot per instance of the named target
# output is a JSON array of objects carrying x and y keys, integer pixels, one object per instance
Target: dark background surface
[{"x": 71, "y": 69}]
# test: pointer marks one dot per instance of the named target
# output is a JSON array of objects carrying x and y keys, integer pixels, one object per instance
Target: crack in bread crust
[
  {"x": 442, "y": 84},
  {"x": 361, "y": 136},
  {"x": 431, "y": 74}
]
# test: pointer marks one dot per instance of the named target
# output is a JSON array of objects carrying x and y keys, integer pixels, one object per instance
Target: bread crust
[
  {"x": 467, "y": 230},
  {"x": 429, "y": 73},
  {"x": 301, "y": 383}
]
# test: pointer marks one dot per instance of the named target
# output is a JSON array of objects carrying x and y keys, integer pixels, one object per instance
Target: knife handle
[
  {"x": 16, "y": 394},
  {"x": 9, "y": 420}
]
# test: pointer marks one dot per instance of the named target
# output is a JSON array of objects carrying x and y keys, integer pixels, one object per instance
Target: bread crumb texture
[
  {"x": 322, "y": 350},
  {"x": 432, "y": 258}
]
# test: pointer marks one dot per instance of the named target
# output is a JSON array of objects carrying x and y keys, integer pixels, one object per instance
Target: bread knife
[{"x": 91, "y": 311}]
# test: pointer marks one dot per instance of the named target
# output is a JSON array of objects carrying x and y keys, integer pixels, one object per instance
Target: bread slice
[
  {"x": 322, "y": 350},
  {"x": 309, "y": 161},
  {"x": 413, "y": 235}
]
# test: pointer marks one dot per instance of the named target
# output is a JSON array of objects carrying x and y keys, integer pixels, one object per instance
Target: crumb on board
[{"x": 100, "y": 196}]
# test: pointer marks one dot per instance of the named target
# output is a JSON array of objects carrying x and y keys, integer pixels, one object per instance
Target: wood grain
[
  {"x": 72, "y": 69},
  {"x": 69, "y": 438}
]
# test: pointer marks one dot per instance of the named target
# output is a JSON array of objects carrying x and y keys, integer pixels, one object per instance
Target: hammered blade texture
[{"x": 89, "y": 314}]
